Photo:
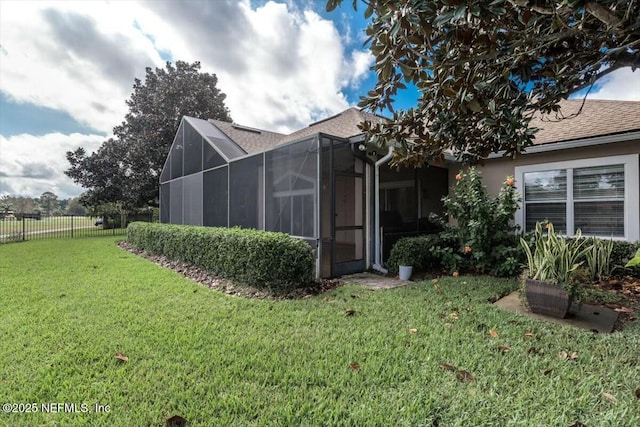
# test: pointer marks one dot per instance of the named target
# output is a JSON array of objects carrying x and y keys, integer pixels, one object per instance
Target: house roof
[
  {"x": 250, "y": 139},
  {"x": 344, "y": 125},
  {"x": 598, "y": 118}
]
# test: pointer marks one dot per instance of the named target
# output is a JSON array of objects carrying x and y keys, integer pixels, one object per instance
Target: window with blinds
[
  {"x": 590, "y": 199},
  {"x": 545, "y": 194},
  {"x": 598, "y": 200}
]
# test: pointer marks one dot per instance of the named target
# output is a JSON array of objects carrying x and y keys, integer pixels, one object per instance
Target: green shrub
[
  {"x": 635, "y": 261},
  {"x": 262, "y": 259},
  {"x": 486, "y": 235},
  {"x": 598, "y": 259},
  {"x": 621, "y": 254},
  {"x": 415, "y": 251}
]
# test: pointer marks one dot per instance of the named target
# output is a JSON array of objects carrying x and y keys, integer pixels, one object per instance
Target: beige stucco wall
[{"x": 495, "y": 171}]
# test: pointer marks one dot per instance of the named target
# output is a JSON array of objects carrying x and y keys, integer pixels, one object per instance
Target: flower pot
[
  {"x": 547, "y": 299},
  {"x": 405, "y": 272}
]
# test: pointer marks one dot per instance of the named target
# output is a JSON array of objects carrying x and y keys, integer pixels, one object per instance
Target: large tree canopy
[
  {"x": 125, "y": 169},
  {"x": 483, "y": 68}
]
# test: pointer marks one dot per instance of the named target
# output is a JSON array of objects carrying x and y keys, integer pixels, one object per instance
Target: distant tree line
[{"x": 48, "y": 204}]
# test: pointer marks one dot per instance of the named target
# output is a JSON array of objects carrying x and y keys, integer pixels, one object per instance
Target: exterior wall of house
[{"x": 495, "y": 171}]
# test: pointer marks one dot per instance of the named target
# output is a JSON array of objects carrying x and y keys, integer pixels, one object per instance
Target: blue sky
[{"x": 66, "y": 69}]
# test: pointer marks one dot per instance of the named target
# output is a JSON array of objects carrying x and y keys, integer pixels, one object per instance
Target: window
[
  {"x": 399, "y": 197},
  {"x": 597, "y": 196},
  {"x": 295, "y": 206}
]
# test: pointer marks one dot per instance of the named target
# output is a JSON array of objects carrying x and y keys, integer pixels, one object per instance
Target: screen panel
[
  {"x": 192, "y": 196},
  {"x": 176, "y": 201},
  {"x": 177, "y": 152},
  {"x": 212, "y": 158},
  {"x": 291, "y": 189},
  {"x": 215, "y": 197},
  {"x": 246, "y": 187},
  {"x": 192, "y": 150},
  {"x": 165, "y": 175},
  {"x": 165, "y": 203}
]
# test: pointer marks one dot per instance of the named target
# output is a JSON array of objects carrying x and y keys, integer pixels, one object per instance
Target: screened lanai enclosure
[{"x": 313, "y": 188}]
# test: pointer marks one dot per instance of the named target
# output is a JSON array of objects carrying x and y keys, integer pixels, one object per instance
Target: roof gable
[
  {"x": 344, "y": 125},
  {"x": 225, "y": 145},
  {"x": 250, "y": 139}
]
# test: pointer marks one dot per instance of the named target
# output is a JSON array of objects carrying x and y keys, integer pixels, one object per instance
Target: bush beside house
[
  {"x": 440, "y": 251},
  {"x": 419, "y": 252},
  {"x": 262, "y": 259},
  {"x": 484, "y": 238}
]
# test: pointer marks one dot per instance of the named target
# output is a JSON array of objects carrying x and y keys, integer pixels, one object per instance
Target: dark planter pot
[{"x": 547, "y": 299}]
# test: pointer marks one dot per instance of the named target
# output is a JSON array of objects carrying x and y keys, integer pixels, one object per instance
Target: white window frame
[{"x": 631, "y": 190}]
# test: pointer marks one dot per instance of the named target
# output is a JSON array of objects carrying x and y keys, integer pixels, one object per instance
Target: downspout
[{"x": 377, "y": 264}]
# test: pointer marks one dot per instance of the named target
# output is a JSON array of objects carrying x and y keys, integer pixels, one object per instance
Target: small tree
[
  {"x": 49, "y": 203},
  {"x": 75, "y": 208},
  {"x": 5, "y": 204},
  {"x": 485, "y": 232}
]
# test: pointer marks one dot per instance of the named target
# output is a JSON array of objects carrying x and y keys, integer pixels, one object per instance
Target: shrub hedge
[
  {"x": 262, "y": 259},
  {"x": 436, "y": 251},
  {"x": 621, "y": 254},
  {"x": 416, "y": 251}
]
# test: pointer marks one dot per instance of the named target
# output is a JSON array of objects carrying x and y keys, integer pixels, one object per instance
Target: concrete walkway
[
  {"x": 374, "y": 281},
  {"x": 591, "y": 317}
]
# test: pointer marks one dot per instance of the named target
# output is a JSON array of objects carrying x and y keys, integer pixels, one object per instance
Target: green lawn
[
  {"x": 46, "y": 224},
  {"x": 69, "y": 305}
]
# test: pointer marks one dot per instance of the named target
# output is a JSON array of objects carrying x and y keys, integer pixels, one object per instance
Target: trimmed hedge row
[{"x": 262, "y": 259}]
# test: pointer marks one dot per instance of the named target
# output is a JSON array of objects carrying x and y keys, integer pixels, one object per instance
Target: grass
[
  {"x": 69, "y": 305},
  {"x": 55, "y": 226},
  {"x": 46, "y": 224}
]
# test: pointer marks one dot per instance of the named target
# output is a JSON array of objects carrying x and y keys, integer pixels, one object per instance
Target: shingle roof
[
  {"x": 598, "y": 118},
  {"x": 344, "y": 125},
  {"x": 251, "y": 140}
]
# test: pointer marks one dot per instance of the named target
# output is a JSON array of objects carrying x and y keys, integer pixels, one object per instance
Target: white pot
[{"x": 405, "y": 272}]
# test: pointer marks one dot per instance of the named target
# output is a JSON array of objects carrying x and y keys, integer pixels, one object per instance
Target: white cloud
[
  {"x": 31, "y": 165},
  {"x": 280, "y": 67},
  {"x": 622, "y": 84},
  {"x": 78, "y": 57}
]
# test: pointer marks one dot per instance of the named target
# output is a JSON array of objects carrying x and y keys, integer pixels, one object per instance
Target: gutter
[{"x": 377, "y": 264}]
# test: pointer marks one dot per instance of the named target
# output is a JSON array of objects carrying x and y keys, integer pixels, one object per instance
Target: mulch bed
[
  {"x": 226, "y": 286},
  {"x": 627, "y": 290}
]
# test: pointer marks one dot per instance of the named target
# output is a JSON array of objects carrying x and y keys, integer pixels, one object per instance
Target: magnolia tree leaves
[{"x": 484, "y": 67}]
